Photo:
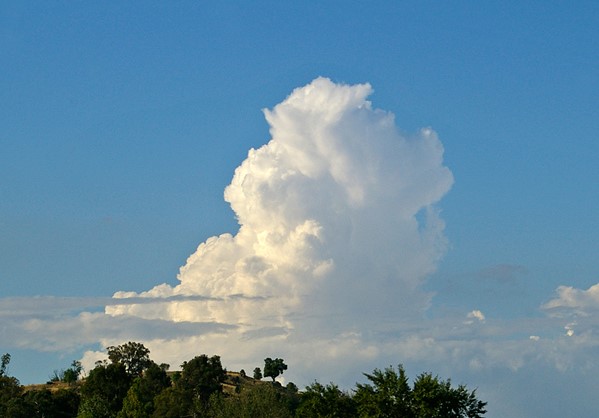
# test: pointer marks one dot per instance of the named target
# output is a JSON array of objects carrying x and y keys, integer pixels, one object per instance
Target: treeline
[{"x": 130, "y": 385}]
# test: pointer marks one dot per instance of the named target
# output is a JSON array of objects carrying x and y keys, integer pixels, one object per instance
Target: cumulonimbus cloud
[
  {"x": 337, "y": 226},
  {"x": 338, "y": 230}
]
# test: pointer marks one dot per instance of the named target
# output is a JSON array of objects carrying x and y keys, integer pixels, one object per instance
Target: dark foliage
[
  {"x": 134, "y": 356},
  {"x": 105, "y": 388},
  {"x": 113, "y": 391},
  {"x": 273, "y": 368},
  {"x": 139, "y": 401},
  {"x": 326, "y": 401}
]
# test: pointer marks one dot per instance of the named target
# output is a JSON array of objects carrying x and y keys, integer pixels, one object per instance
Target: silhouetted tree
[
  {"x": 436, "y": 398},
  {"x": 104, "y": 390},
  {"x": 4, "y": 363},
  {"x": 273, "y": 368},
  {"x": 134, "y": 356},
  {"x": 11, "y": 403},
  {"x": 200, "y": 377},
  {"x": 389, "y": 395}
]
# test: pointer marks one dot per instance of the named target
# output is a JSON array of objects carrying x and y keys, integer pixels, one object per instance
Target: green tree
[
  {"x": 4, "y": 361},
  {"x": 172, "y": 402},
  {"x": 319, "y": 401},
  {"x": 254, "y": 401},
  {"x": 104, "y": 390},
  {"x": 40, "y": 403},
  {"x": 436, "y": 398},
  {"x": 257, "y": 373},
  {"x": 273, "y": 368},
  {"x": 66, "y": 403},
  {"x": 134, "y": 356},
  {"x": 202, "y": 376},
  {"x": 11, "y": 404},
  {"x": 71, "y": 375},
  {"x": 139, "y": 402},
  {"x": 389, "y": 395},
  {"x": 46, "y": 404},
  {"x": 95, "y": 406}
]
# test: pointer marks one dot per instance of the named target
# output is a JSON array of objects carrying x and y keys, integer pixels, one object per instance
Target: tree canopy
[
  {"x": 390, "y": 395},
  {"x": 134, "y": 386},
  {"x": 134, "y": 356},
  {"x": 274, "y": 368}
]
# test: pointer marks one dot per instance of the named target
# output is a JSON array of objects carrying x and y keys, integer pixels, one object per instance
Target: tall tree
[
  {"x": 202, "y": 376},
  {"x": 11, "y": 404},
  {"x": 134, "y": 356},
  {"x": 4, "y": 363},
  {"x": 388, "y": 395},
  {"x": 104, "y": 390}
]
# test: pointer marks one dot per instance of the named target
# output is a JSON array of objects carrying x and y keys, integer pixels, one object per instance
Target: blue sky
[{"x": 121, "y": 124}]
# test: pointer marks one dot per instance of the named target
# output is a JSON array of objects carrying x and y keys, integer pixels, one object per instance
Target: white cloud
[
  {"x": 575, "y": 301},
  {"x": 338, "y": 227},
  {"x": 475, "y": 314},
  {"x": 338, "y": 231}
]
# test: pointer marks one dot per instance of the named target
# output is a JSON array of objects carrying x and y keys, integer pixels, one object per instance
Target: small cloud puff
[{"x": 475, "y": 314}]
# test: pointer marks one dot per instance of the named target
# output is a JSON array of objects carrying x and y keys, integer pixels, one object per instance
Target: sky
[{"x": 345, "y": 185}]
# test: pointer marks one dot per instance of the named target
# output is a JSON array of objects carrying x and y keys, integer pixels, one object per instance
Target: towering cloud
[{"x": 337, "y": 229}]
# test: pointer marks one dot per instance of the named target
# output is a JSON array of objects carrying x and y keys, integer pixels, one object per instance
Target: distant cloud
[
  {"x": 63, "y": 331},
  {"x": 576, "y": 301},
  {"x": 15, "y": 307},
  {"x": 476, "y": 314}
]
